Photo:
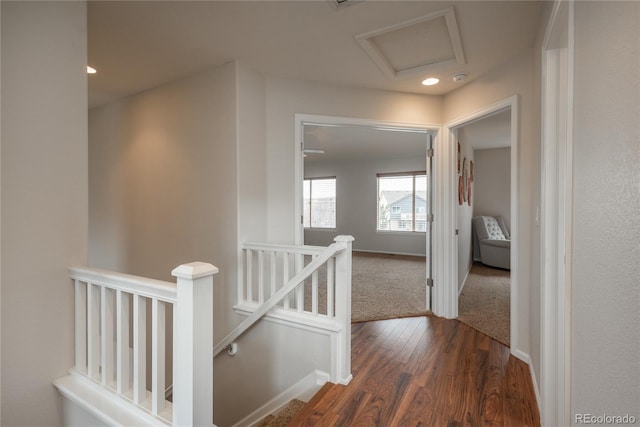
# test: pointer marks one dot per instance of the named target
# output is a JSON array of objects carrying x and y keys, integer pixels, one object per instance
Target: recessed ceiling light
[
  {"x": 91, "y": 70},
  {"x": 430, "y": 81}
]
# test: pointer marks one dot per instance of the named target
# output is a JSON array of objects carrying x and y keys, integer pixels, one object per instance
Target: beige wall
[
  {"x": 356, "y": 205},
  {"x": 464, "y": 215},
  {"x": 44, "y": 200},
  {"x": 514, "y": 78},
  {"x": 252, "y": 154},
  {"x": 163, "y": 183},
  {"x": 285, "y": 98},
  {"x": 606, "y": 222},
  {"x": 493, "y": 183}
]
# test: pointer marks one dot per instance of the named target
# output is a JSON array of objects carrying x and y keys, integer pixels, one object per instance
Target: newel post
[
  {"x": 343, "y": 307},
  {"x": 193, "y": 345}
]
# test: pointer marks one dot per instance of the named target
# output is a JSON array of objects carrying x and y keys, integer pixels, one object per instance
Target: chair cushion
[{"x": 493, "y": 228}]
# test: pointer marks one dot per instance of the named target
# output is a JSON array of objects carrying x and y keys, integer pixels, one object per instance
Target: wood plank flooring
[{"x": 427, "y": 371}]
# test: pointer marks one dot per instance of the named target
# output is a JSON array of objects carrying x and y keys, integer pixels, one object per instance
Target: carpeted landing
[
  {"x": 383, "y": 287},
  {"x": 484, "y": 303},
  {"x": 284, "y": 416}
]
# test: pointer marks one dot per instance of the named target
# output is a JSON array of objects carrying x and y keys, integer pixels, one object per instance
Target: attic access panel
[{"x": 415, "y": 46}]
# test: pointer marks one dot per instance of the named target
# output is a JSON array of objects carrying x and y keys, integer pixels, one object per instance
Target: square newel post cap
[
  {"x": 194, "y": 270},
  {"x": 344, "y": 238}
]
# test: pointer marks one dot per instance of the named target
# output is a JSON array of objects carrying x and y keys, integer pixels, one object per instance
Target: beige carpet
[
  {"x": 484, "y": 303},
  {"x": 383, "y": 287},
  {"x": 284, "y": 416}
]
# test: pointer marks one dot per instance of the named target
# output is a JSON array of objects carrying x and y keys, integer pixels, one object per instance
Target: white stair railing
[
  {"x": 109, "y": 305},
  {"x": 308, "y": 283}
]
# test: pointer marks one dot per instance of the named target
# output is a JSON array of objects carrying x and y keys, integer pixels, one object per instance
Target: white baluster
[
  {"x": 106, "y": 326},
  {"x": 122, "y": 341},
  {"x": 93, "y": 336},
  {"x": 81, "y": 326},
  {"x": 272, "y": 275},
  {"x": 249, "y": 275},
  {"x": 343, "y": 307},
  {"x": 330, "y": 282},
  {"x": 157, "y": 356},
  {"x": 314, "y": 292},
  {"x": 193, "y": 345},
  {"x": 241, "y": 275},
  {"x": 285, "y": 278},
  {"x": 260, "y": 277},
  {"x": 139, "y": 349},
  {"x": 299, "y": 261}
]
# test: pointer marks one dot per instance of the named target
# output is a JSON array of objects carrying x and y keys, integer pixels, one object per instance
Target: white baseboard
[
  {"x": 527, "y": 359},
  {"x": 303, "y": 390},
  {"x": 464, "y": 282},
  {"x": 388, "y": 253},
  {"x": 102, "y": 404}
]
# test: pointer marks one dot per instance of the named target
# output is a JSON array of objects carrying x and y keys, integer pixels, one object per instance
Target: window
[
  {"x": 319, "y": 202},
  {"x": 402, "y": 202}
]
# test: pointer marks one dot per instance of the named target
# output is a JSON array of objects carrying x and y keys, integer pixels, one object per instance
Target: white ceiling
[
  {"x": 348, "y": 143},
  {"x": 490, "y": 132},
  {"x": 138, "y": 45}
]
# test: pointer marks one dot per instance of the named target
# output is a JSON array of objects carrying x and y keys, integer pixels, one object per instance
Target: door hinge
[
  {"x": 430, "y": 282},
  {"x": 430, "y": 152},
  {"x": 430, "y": 217},
  {"x": 301, "y": 219}
]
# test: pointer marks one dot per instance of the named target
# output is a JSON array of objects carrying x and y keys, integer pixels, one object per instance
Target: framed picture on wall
[{"x": 465, "y": 175}]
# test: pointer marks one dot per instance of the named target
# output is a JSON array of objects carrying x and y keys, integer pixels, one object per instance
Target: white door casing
[
  {"x": 556, "y": 214},
  {"x": 445, "y": 298},
  {"x": 302, "y": 119}
]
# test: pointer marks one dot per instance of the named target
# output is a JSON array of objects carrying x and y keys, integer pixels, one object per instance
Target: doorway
[
  {"x": 484, "y": 204},
  {"x": 349, "y": 166},
  {"x": 446, "y": 296}
]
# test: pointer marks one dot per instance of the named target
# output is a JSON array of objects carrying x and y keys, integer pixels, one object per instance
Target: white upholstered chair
[{"x": 494, "y": 241}]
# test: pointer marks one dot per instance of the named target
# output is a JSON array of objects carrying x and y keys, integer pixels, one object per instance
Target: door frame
[
  {"x": 556, "y": 216},
  {"x": 446, "y": 296},
  {"x": 308, "y": 119}
]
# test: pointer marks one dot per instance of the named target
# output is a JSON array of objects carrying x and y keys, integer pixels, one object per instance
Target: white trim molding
[
  {"x": 445, "y": 239},
  {"x": 311, "y": 119},
  {"x": 556, "y": 216},
  {"x": 303, "y": 390}
]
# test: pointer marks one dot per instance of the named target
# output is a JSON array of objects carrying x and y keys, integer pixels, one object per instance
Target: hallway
[{"x": 427, "y": 371}]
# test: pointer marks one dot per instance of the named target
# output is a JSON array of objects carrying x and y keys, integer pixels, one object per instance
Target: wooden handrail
[{"x": 323, "y": 257}]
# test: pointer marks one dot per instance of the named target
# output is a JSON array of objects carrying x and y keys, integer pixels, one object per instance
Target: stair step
[
  {"x": 318, "y": 406},
  {"x": 284, "y": 416}
]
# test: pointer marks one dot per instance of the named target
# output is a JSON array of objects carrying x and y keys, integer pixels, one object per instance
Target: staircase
[
  {"x": 318, "y": 410},
  {"x": 113, "y": 309}
]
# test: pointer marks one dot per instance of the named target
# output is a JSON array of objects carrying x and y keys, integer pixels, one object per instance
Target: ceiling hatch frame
[{"x": 367, "y": 42}]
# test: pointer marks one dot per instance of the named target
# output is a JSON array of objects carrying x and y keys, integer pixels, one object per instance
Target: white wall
[
  {"x": 178, "y": 174},
  {"x": 356, "y": 205},
  {"x": 465, "y": 214},
  {"x": 493, "y": 183},
  {"x": 271, "y": 358},
  {"x": 44, "y": 200},
  {"x": 606, "y": 225},
  {"x": 516, "y": 77},
  {"x": 252, "y": 153},
  {"x": 163, "y": 183},
  {"x": 286, "y": 97}
]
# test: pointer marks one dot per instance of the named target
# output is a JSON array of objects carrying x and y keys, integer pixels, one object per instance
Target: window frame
[
  {"x": 409, "y": 174},
  {"x": 335, "y": 214}
]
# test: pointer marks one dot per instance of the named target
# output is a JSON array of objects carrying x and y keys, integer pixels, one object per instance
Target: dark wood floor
[{"x": 427, "y": 371}]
